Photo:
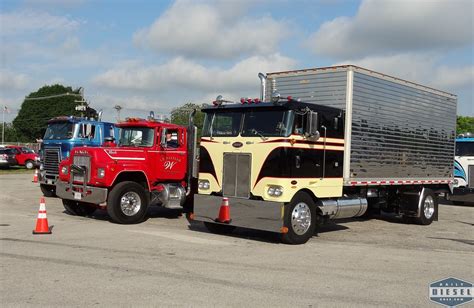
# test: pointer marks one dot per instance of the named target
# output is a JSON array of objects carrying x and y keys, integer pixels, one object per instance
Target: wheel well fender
[
  {"x": 134, "y": 176},
  {"x": 313, "y": 196}
]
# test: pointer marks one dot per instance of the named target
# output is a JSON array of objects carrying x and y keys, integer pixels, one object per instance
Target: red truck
[
  {"x": 25, "y": 156},
  {"x": 152, "y": 163}
]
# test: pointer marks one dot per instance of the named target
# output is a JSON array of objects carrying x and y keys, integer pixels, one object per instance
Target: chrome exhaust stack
[{"x": 263, "y": 85}]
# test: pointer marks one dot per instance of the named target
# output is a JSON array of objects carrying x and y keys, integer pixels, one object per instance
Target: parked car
[
  {"x": 25, "y": 156},
  {"x": 7, "y": 158}
]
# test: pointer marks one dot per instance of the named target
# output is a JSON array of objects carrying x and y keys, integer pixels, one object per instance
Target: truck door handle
[{"x": 298, "y": 161}]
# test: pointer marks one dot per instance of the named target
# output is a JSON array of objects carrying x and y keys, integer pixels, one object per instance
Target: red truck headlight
[
  {"x": 64, "y": 170},
  {"x": 100, "y": 173}
]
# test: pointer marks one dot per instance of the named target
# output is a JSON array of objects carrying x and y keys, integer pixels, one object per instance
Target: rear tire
[
  {"x": 48, "y": 190},
  {"x": 29, "y": 164},
  {"x": 78, "y": 208},
  {"x": 218, "y": 228},
  {"x": 300, "y": 219},
  {"x": 128, "y": 203},
  {"x": 429, "y": 208}
]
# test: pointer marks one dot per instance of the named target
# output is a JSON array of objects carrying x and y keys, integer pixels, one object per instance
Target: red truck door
[{"x": 171, "y": 159}]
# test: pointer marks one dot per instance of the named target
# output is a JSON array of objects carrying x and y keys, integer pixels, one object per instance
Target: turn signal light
[{"x": 284, "y": 230}]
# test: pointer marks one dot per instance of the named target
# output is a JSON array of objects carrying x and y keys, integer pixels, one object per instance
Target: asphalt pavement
[{"x": 89, "y": 261}]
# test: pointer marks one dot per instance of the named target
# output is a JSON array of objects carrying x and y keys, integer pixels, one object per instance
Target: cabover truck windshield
[
  {"x": 327, "y": 143},
  {"x": 151, "y": 163}
]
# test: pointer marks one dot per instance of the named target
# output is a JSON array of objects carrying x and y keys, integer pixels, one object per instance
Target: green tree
[
  {"x": 46, "y": 103},
  {"x": 465, "y": 125},
  {"x": 180, "y": 116}
]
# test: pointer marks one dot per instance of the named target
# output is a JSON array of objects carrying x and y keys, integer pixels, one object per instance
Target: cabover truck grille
[
  {"x": 236, "y": 177},
  {"x": 84, "y": 161},
  {"x": 51, "y": 162},
  {"x": 471, "y": 176}
]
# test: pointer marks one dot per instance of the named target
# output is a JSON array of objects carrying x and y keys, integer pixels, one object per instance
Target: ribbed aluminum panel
[
  {"x": 400, "y": 132},
  {"x": 324, "y": 88},
  {"x": 51, "y": 161},
  {"x": 84, "y": 161},
  {"x": 236, "y": 177}
]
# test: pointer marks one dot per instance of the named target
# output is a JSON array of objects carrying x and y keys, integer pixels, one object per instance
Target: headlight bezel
[
  {"x": 204, "y": 184},
  {"x": 100, "y": 173},
  {"x": 275, "y": 190}
]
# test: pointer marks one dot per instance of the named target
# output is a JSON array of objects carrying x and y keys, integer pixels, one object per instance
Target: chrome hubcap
[
  {"x": 130, "y": 203},
  {"x": 428, "y": 207},
  {"x": 301, "y": 218}
]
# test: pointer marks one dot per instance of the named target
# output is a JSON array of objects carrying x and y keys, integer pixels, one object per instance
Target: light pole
[{"x": 118, "y": 108}]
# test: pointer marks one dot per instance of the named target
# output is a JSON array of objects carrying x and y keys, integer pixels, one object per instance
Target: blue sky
[{"x": 156, "y": 55}]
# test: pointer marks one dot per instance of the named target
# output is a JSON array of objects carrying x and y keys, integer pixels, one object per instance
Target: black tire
[
  {"x": 218, "y": 228},
  {"x": 114, "y": 208},
  {"x": 29, "y": 164},
  {"x": 294, "y": 236},
  {"x": 429, "y": 208},
  {"x": 78, "y": 208},
  {"x": 48, "y": 190}
]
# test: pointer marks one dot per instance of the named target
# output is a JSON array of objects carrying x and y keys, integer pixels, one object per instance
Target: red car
[{"x": 25, "y": 156}]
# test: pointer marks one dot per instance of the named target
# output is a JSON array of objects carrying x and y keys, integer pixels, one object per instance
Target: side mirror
[
  {"x": 163, "y": 138},
  {"x": 312, "y": 125},
  {"x": 109, "y": 139}
]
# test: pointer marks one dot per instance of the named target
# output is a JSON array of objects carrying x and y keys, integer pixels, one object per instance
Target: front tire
[
  {"x": 300, "y": 219},
  {"x": 48, "y": 190},
  {"x": 127, "y": 203},
  {"x": 429, "y": 208},
  {"x": 78, "y": 208}
]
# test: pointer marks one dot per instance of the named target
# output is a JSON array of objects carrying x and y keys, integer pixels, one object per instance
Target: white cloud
[
  {"x": 12, "y": 81},
  {"x": 184, "y": 75},
  {"x": 391, "y": 26},
  {"x": 211, "y": 30},
  {"x": 421, "y": 68},
  {"x": 27, "y": 22},
  {"x": 71, "y": 44}
]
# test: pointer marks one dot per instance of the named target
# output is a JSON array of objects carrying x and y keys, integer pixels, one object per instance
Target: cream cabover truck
[{"x": 325, "y": 143}]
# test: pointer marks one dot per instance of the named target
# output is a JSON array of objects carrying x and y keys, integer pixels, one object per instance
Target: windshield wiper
[{"x": 256, "y": 132}]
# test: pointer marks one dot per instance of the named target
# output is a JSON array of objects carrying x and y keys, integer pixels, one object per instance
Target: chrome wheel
[
  {"x": 301, "y": 218},
  {"x": 428, "y": 206},
  {"x": 130, "y": 203}
]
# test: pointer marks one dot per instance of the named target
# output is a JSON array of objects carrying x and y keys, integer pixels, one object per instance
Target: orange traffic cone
[
  {"x": 42, "y": 221},
  {"x": 224, "y": 212},
  {"x": 35, "y": 177}
]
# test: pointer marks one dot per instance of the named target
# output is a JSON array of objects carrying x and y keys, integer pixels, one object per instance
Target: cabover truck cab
[
  {"x": 463, "y": 186},
  {"x": 151, "y": 164},
  {"x": 344, "y": 142},
  {"x": 62, "y": 135}
]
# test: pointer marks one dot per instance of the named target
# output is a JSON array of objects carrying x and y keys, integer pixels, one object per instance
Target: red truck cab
[
  {"x": 150, "y": 164},
  {"x": 25, "y": 156}
]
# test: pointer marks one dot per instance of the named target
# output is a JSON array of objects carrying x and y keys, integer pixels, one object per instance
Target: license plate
[{"x": 77, "y": 196}]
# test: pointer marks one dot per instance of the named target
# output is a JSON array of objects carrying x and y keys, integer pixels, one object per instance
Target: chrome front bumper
[
  {"x": 254, "y": 214},
  {"x": 89, "y": 194}
]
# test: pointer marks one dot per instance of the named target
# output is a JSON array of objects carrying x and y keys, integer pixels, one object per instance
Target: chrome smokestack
[{"x": 263, "y": 85}]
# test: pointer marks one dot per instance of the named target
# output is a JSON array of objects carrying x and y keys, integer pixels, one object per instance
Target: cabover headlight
[
  {"x": 100, "y": 173},
  {"x": 64, "y": 170},
  {"x": 41, "y": 167},
  {"x": 204, "y": 184},
  {"x": 455, "y": 182},
  {"x": 275, "y": 191}
]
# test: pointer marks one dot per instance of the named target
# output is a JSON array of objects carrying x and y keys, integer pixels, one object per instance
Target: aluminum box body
[{"x": 395, "y": 130}]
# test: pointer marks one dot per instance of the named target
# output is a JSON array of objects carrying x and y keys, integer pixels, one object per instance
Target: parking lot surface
[{"x": 163, "y": 261}]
